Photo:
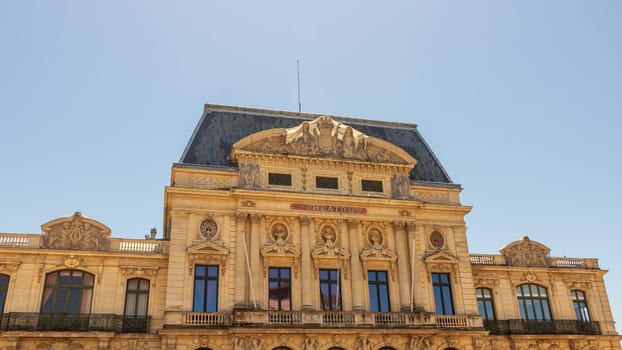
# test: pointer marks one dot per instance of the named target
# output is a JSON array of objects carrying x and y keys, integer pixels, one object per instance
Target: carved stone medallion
[
  {"x": 437, "y": 241},
  {"x": 208, "y": 229}
]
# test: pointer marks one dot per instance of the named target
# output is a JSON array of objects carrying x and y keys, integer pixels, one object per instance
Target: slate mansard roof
[{"x": 221, "y": 126}]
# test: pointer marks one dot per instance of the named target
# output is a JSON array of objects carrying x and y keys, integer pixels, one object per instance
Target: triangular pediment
[
  {"x": 210, "y": 248},
  {"x": 441, "y": 257},
  {"x": 323, "y": 137}
]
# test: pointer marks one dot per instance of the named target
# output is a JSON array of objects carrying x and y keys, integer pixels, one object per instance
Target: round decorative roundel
[
  {"x": 437, "y": 240},
  {"x": 208, "y": 228}
]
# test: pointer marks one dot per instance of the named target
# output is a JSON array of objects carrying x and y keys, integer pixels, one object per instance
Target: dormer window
[
  {"x": 326, "y": 182},
  {"x": 279, "y": 179},
  {"x": 371, "y": 186}
]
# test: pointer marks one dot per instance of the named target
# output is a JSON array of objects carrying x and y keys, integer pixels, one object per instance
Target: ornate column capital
[
  {"x": 304, "y": 220},
  {"x": 398, "y": 226},
  {"x": 256, "y": 218},
  {"x": 353, "y": 223},
  {"x": 411, "y": 226}
]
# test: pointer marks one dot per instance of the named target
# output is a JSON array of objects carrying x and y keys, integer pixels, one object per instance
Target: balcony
[
  {"x": 327, "y": 319},
  {"x": 30, "y": 321},
  {"x": 507, "y": 327},
  {"x": 552, "y": 262}
]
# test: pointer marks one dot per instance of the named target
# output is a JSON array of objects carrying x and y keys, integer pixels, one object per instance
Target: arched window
[
  {"x": 4, "y": 286},
  {"x": 580, "y": 305},
  {"x": 67, "y": 292},
  {"x": 485, "y": 304},
  {"x": 533, "y": 302}
]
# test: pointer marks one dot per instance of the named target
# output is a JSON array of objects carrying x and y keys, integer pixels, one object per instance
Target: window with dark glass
[
  {"x": 371, "y": 186},
  {"x": 484, "y": 303},
  {"x": 326, "y": 182},
  {"x": 136, "y": 297},
  {"x": 67, "y": 292},
  {"x": 533, "y": 302},
  {"x": 442, "y": 294},
  {"x": 279, "y": 179},
  {"x": 279, "y": 291},
  {"x": 4, "y": 287},
  {"x": 205, "y": 288},
  {"x": 378, "y": 291},
  {"x": 329, "y": 290},
  {"x": 580, "y": 305}
]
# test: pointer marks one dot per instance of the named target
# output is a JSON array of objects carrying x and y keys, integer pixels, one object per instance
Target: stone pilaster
[
  {"x": 403, "y": 265},
  {"x": 358, "y": 285}
]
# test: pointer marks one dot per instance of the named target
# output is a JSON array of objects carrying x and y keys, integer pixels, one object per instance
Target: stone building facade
[{"x": 292, "y": 231}]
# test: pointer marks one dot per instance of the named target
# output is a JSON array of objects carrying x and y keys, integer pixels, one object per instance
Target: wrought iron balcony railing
[
  {"x": 506, "y": 327},
  {"x": 328, "y": 319},
  {"x": 30, "y": 321}
]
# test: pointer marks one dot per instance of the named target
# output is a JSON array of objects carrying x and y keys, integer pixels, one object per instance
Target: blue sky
[{"x": 520, "y": 100}]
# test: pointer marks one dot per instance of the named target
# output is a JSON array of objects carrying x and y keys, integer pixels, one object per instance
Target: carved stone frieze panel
[
  {"x": 250, "y": 177},
  {"x": 323, "y": 137},
  {"x": 526, "y": 253},
  {"x": 76, "y": 232}
]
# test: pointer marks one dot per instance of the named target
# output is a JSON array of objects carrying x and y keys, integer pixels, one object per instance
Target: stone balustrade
[
  {"x": 329, "y": 319},
  {"x": 553, "y": 262},
  {"x": 33, "y": 241}
]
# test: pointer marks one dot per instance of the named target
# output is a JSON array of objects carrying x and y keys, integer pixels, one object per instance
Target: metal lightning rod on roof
[{"x": 298, "y": 71}]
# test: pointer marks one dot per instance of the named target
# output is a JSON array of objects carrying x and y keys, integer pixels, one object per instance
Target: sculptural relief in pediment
[
  {"x": 324, "y": 137},
  {"x": 76, "y": 232},
  {"x": 526, "y": 253}
]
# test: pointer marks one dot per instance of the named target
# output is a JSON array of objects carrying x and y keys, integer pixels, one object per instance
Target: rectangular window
[
  {"x": 326, "y": 182},
  {"x": 279, "y": 179},
  {"x": 371, "y": 186},
  {"x": 378, "y": 291},
  {"x": 279, "y": 291},
  {"x": 205, "y": 288},
  {"x": 485, "y": 304},
  {"x": 442, "y": 294},
  {"x": 329, "y": 290}
]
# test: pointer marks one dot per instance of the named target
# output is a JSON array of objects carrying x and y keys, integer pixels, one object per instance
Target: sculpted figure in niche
[
  {"x": 256, "y": 343},
  {"x": 249, "y": 175},
  {"x": 363, "y": 344},
  {"x": 375, "y": 239},
  {"x": 400, "y": 185},
  {"x": 240, "y": 344},
  {"x": 311, "y": 343},
  {"x": 329, "y": 238},
  {"x": 279, "y": 234}
]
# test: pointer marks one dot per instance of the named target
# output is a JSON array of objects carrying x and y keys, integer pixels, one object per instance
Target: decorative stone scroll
[
  {"x": 9, "y": 267},
  {"x": 324, "y": 137},
  {"x": 526, "y": 253},
  {"x": 76, "y": 232}
]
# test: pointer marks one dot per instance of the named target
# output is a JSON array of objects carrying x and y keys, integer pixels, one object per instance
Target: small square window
[
  {"x": 279, "y": 179},
  {"x": 326, "y": 182},
  {"x": 371, "y": 186}
]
